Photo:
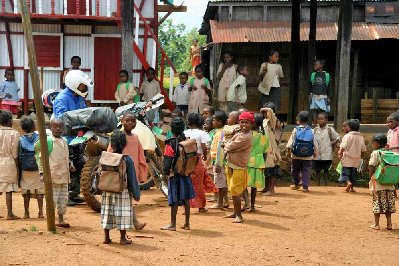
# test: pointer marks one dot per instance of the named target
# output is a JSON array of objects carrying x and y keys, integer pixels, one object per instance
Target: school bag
[
  {"x": 387, "y": 171},
  {"x": 27, "y": 158},
  {"x": 313, "y": 75},
  {"x": 112, "y": 172},
  {"x": 187, "y": 158},
  {"x": 303, "y": 145},
  {"x": 206, "y": 82}
]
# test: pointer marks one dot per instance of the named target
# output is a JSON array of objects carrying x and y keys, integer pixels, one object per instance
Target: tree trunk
[
  {"x": 127, "y": 12},
  {"x": 343, "y": 62}
]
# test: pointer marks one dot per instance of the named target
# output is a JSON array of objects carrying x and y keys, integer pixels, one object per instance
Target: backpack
[
  {"x": 27, "y": 158},
  {"x": 112, "y": 172},
  {"x": 387, "y": 171},
  {"x": 303, "y": 145},
  {"x": 187, "y": 158},
  {"x": 206, "y": 82},
  {"x": 313, "y": 75}
]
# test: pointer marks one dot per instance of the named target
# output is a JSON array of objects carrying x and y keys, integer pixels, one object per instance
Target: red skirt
[
  {"x": 195, "y": 61},
  {"x": 202, "y": 184}
]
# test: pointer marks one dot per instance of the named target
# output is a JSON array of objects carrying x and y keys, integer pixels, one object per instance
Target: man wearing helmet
[
  {"x": 70, "y": 99},
  {"x": 73, "y": 96}
]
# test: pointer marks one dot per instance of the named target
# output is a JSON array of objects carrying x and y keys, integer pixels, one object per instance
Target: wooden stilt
[
  {"x": 354, "y": 94},
  {"x": 312, "y": 35},
  {"x": 295, "y": 60},
  {"x": 343, "y": 61},
  {"x": 127, "y": 12},
  {"x": 34, "y": 75}
]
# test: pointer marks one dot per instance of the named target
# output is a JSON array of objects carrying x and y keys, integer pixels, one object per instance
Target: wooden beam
[
  {"x": 354, "y": 94},
  {"x": 343, "y": 62},
  {"x": 166, "y": 8},
  {"x": 141, "y": 5},
  {"x": 295, "y": 63},
  {"x": 312, "y": 35},
  {"x": 34, "y": 75},
  {"x": 162, "y": 20}
]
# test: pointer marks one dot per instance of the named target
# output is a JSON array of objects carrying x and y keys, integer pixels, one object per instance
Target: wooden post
[
  {"x": 295, "y": 60},
  {"x": 127, "y": 12},
  {"x": 375, "y": 106},
  {"x": 354, "y": 94},
  {"x": 34, "y": 75},
  {"x": 312, "y": 35},
  {"x": 343, "y": 62}
]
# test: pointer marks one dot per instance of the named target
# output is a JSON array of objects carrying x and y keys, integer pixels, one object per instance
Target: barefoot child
[
  {"x": 31, "y": 185},
  {"x": 59, "y": 167},
  {"x": 302, "y": 148},
  {"x": 9, "y": 142},
  {"x": 256, "y": 163},
  {"x": 238, "y": 151},
  {"x": 180, "y": 188},
  {"x": 181, "y": 94},
  {"x": 125, "y": 92},
  {"x": 272, "y": 126},
  {"x": 201, "y": 180},
  {"x": 116, "y": 208},
  {"x": 351, "y": 150},
  {"x": 134, "y": 149},
  {"x": 326, "y": 138},
  {"x": 217, "y": 157},
  {"x": 383, "y": 195}
]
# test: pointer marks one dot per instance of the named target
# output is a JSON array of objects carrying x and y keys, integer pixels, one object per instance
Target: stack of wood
[{"x": 375, "y": 111}]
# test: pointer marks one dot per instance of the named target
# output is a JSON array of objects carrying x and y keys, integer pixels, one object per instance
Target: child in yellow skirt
[
  {"x": 257, "y": 161},
  {"x": 238, "y": 150}
]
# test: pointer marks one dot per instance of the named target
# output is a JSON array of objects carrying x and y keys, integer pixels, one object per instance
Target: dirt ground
[{"x": 323, "y": 227}]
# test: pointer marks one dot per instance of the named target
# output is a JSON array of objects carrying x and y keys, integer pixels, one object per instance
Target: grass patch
[{"x": 33, "y": 228}]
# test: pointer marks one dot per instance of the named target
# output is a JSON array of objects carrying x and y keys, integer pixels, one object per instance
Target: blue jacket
[{"x": 67, "y": 101}]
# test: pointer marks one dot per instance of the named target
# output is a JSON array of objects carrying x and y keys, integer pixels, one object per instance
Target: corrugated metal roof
[{"x": 252, "y": 31}]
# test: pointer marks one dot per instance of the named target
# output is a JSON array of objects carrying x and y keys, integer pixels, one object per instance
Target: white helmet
[{"x": 76, "y": 77}]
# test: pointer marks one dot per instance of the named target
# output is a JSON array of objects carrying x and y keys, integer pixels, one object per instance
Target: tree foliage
[{"x": 176, "y": 42}]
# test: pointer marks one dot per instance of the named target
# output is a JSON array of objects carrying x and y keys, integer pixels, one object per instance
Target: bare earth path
[{"x": 323, "y": 227}]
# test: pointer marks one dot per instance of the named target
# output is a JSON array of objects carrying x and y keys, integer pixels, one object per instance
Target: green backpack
[
  {"x": 387, "y": 171},
  {"x": 206, "y": 82},
  {"x": 313, "y": 75}
]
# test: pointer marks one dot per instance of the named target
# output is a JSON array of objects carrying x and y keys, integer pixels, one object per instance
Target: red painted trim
[
  {"x": 77, "y": 7},
  {"x": 52, "y": 7},
  {"x": 33, "y": 6},
  {"x": 26, "y": 91},
  {"x": 118, "y": 8},
  {"x": 9, "y": 45},
  {"x": 3, "y": 6},
  {"x": 78, "y": 34},
  {"x": 97, "y": 7},
  {"x": 15, "y": 67},
  {"x": 142, "y": 5}
]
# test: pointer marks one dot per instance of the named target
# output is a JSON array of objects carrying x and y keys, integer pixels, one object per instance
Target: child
[
  {"x": 237, "y": 93},
  {"x": 232, "y": 125},
  {"x": 201, "y": 180},
  {"x": 195, "y": 55},
  {"x": 8, "y": 160},
  {"x": 181, "y": 94},
  {"x": 59, "y": 167},
  {"x": 180, "y": 188},
  {"x": 256, "y": 164},
  {"x": 208, "y": 128},
  {"x": 125, "y": 92},
  {"x": 319, "y": 90},
  {"x": 76, "y": 62},
  {"x": 217, "y": 157},
  {"x": 383, "y": 195},
  {"x": 149, "y": 88},
  {"x": 393, "y": 132},
  {"x": 116, "y": 208},
  {"x": 9, "y": 89},
  {"x": 302, "y": 156},
  {"x": 226, "y": 74},
  {"x": 208, "y": 111},
  {"x": 270, "y": 73},
  {"x": 351, "y": 150},
  {"x": 238, "y": 151},
  {"x": 199, "y": 88},
  {"x": 326, "y": 138},
  {"x": 134, "y": 149},
  {"x": 272, "y": 126},
  {"x": 175, "y": 113},
  {"x": 30, "y": 183}
]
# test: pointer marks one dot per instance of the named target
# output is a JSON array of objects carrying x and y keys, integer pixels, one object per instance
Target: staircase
[{"x": 141, "y": 55}]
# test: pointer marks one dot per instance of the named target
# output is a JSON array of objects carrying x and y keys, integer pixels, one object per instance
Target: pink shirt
[
  {"x": 393, "y": 138},
  {"x": 353, "y": 146}
]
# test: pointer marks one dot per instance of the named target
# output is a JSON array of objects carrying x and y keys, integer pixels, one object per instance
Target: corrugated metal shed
[{"x": 250, "y": 31}]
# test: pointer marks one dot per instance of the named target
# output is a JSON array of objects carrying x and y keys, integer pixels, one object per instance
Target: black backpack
[{"x": 27, "y": 158}]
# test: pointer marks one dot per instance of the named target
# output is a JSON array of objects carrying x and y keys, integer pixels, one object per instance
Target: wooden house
[
  {"x": 90, "y": 29},
  {"x": 251, "y": 28}
]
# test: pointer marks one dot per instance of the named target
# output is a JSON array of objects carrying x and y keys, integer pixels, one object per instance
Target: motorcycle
[{"x": 97, "y": 123}]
